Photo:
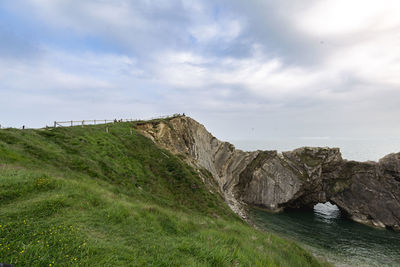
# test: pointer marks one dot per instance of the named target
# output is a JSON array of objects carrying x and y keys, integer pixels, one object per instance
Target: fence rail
[
  {"x": 86, "y": 122},
  {"x": 94, "y": 122}
]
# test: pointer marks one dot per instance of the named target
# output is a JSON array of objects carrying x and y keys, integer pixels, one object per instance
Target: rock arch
[{"x": 369, "y": 192}]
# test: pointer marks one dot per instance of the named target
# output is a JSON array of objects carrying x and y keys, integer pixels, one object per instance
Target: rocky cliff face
[{"x": 368, "y": 192}]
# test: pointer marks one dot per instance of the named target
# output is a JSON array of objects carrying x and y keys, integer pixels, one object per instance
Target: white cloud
[
  {"x": 375, "y": 61},
  {"x": 359, "y": 38},
  {"x": 222, "y": 30},
  {"x": 329, "y": 18},
  {"x": 258, "y": 74},
  {"x": 57, "y": 70}
]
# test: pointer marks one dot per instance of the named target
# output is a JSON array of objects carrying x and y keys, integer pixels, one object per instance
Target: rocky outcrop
[
  {"x": 369, "y": 192},
  {"x": 373, "y": 192}
]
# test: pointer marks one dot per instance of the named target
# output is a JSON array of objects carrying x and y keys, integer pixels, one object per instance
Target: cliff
[{"x": 369, "y": 192}]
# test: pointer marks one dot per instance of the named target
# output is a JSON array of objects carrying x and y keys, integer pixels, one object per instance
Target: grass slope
[{"x": 83, "y": 197}]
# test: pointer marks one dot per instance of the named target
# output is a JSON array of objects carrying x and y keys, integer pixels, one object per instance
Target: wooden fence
[
  {"x": 94, "y": 122},
  {"x": 86, "y": 122}
]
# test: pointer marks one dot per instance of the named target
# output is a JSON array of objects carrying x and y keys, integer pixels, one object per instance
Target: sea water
[
  {"x": 329, "y": 235},
  {"x": 324, "y": 231}
]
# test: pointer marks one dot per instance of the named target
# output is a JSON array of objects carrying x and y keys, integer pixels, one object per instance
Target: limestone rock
[{"x": 368, "y": 192}]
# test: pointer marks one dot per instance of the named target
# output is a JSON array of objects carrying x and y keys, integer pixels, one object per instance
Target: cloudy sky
[{"x": 245, "y": 69}]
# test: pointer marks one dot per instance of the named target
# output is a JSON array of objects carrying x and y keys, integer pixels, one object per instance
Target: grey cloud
[{"x": 270, "y": 24}]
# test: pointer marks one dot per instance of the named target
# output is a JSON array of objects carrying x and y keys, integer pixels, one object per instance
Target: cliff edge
[{"x": 369, "y": 192}]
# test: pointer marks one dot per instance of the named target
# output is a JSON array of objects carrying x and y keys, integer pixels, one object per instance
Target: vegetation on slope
[{"x": 84, "y": 197}]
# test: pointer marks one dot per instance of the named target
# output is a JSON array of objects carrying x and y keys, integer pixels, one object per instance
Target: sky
[{"x": 247, "y": 70}]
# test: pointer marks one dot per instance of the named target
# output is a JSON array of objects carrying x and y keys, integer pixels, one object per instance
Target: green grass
[{"x": 83, "y": 197}]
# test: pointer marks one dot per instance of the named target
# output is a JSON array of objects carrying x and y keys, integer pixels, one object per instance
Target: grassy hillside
[{"x": 81, "y": 196}]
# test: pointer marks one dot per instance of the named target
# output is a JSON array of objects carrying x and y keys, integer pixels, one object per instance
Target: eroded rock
[{"x": 368, "y": 192}]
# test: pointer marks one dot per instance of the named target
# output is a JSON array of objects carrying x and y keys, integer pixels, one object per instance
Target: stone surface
[{"x": 369, "y": 192}]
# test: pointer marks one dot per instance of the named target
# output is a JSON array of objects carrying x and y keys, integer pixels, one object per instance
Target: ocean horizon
[{"x": 359, "y": 149}]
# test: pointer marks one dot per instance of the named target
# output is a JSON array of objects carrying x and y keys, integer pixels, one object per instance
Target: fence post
[
  {"x": 55, "y": 124},
  {"x": 106, "y": 129},
  {"x": 71, "y": 123},
  {"x": 131, "y": 131},
  {"x": 83, "y": 122},
  {"x": 94, "y": 121}
]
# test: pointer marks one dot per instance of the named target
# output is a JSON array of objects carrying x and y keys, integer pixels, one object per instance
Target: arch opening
[{"x": 327, "y": 211}]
